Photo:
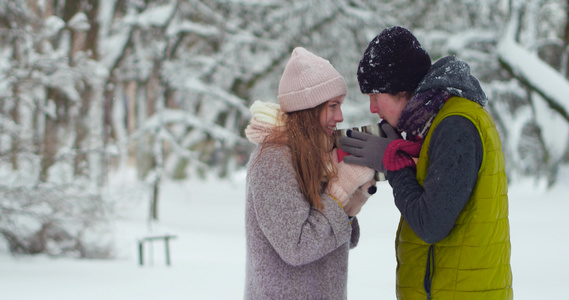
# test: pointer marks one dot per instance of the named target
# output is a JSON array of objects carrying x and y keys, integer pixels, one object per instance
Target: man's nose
[{"x": 373, "y": 107}]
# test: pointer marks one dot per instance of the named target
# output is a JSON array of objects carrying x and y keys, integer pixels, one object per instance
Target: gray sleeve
[
  {"x": 355, "y": 233},
  {"x": 299, "y": 233},
  {"x": 455, "y": 156}
]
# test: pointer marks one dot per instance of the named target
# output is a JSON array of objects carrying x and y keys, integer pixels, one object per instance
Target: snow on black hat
[{"x": 394, "y": 61}]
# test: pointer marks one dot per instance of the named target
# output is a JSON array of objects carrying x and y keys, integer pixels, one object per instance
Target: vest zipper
[{"x": 430, "y": 272}]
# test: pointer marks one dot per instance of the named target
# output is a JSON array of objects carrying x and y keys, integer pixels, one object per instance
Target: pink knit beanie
[{"x": 308, "y": 81}]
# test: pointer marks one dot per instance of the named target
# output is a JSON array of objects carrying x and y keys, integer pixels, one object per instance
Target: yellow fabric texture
[{"x": 473, "y": 261}]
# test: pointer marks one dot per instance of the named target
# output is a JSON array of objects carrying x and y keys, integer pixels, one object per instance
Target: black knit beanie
[{"x": 394, "y": 61}]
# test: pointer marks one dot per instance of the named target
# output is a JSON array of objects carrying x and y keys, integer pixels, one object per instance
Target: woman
[
  {"x": 299, "y": 198},
  {"x": 453, "y": 240}
]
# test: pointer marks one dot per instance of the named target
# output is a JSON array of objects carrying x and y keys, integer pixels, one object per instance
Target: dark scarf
[
  {"x": 446, "y": 78},
  {"x": 419, "y": 113}
]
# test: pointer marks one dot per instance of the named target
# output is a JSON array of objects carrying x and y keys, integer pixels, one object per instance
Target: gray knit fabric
[
  {"x": 293, "y": 250},
  {"x": 452, "y": 74}
]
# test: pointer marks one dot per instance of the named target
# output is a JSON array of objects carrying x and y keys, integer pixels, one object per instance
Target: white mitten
[
  {"x": 359, "y": 198},
  {"x": 350, "y": 178}
]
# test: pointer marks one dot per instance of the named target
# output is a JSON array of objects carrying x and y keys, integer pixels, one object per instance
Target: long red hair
[{"x": 310, "y": 146}]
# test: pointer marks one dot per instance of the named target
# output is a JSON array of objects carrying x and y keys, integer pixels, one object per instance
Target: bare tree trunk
[
  {"x": 565, "y": 58},
  {"x": 15, "y": 115},
  {"x": 81, "y": 133},
  {"x": 154, "y": 201},
  {"x": 130, "y": 94}
]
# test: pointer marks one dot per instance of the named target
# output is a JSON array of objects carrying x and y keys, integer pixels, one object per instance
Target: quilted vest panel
[{"x": 473, "y": 261}]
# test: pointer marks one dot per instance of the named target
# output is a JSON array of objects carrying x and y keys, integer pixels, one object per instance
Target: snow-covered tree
[
  {"x": 49, "y": 134},
  {"x": 518, "y": 50},
  {"x": 90, "y": 87},
  {"x": 533, "y": 49}
]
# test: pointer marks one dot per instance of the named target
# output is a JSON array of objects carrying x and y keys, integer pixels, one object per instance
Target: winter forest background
[{"x": 92, "y": 87}]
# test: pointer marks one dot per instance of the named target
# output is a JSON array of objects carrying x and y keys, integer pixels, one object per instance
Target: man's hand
[{"x": 366, "y": 149}]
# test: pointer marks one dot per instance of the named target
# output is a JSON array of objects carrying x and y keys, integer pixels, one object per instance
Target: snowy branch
[
  {"x": 534, "y": 72},
  {"x": 169, "y": 117}
]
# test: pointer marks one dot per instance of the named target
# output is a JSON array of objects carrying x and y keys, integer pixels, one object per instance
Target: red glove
[{"x": 399, "y": 154}]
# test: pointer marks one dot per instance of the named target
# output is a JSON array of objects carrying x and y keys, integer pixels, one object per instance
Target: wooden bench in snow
[{"x": 151, "y": 239}]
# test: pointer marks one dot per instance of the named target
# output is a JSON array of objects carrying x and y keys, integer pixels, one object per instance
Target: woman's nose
[{"x": 339, "y": 116}]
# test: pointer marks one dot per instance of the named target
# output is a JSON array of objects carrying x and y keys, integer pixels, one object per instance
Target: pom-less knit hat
[
  {"x": 308, "y": 81},
  {"x": 393, "y": 62}
]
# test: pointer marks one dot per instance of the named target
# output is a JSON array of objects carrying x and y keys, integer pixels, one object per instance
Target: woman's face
[
  {"x": 331, "y": 114},
  {"x": 388, "y": 107}
]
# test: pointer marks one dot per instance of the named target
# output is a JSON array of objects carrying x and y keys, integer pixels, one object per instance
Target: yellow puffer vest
[{"x": 473, "y": 261}]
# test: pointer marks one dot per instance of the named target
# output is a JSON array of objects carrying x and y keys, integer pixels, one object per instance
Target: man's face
[{"x": 388, "y": 107}]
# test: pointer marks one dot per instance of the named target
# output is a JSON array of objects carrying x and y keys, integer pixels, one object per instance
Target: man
[{"x": 447, "y": 176}]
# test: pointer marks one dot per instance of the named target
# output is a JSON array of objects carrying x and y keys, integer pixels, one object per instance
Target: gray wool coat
[{"x": 294, "y": 251}]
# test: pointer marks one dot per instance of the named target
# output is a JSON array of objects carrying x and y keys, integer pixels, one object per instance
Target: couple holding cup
[
  {"x": 373, "y": 129},
  {"x": 447, "y": 175}
]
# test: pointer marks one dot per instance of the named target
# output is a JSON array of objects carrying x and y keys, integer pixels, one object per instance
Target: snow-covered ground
[{"x": 208, "y": 255}]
